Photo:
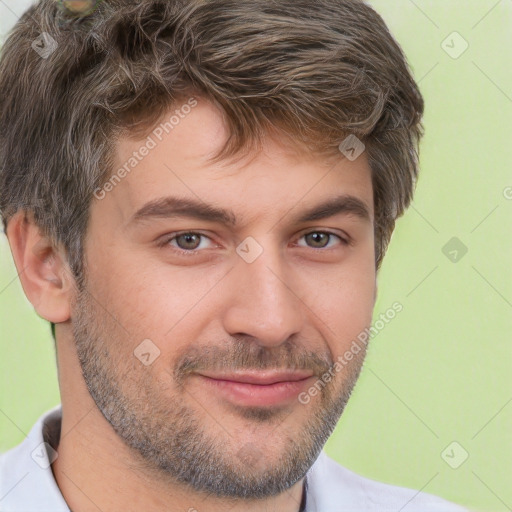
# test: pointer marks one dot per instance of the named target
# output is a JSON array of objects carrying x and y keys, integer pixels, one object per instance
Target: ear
[{"x": 42, "y": 268}]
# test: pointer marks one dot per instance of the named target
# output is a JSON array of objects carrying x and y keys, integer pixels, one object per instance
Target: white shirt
[{"x": 27, "y": 483}]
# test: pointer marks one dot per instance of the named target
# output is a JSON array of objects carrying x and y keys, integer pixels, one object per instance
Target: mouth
[{"x": 257, "y": 388}]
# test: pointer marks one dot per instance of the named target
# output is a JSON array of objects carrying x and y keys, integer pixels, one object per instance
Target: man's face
[{"x": 197, "y": 335}]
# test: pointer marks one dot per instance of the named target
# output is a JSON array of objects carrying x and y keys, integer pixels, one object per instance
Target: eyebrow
[{"x": 169, "y": 207}]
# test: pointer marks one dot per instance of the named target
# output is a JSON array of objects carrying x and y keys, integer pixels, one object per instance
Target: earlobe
[{"x": 42, "y": 268}]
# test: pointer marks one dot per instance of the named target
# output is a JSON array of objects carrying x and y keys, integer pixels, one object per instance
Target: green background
[{"x": 440, "y": 371}]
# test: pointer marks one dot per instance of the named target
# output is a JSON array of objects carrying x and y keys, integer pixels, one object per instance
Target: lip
[{"x": 258, "y": 388}]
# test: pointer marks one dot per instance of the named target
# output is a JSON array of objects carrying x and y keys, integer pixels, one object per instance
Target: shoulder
[
  {"x": 333, "y": 488},
  {"x": 26, "y": 478}
]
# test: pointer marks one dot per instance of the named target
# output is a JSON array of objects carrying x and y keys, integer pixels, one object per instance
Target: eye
[
  {"x": 187, "y": 243},
  {"x": 321, "y": 239}
]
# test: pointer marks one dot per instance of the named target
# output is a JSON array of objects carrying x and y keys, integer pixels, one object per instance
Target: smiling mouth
[{"x": 257, "y": 388}]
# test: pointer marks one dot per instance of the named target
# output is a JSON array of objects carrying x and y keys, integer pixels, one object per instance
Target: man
[{"x": 198, "y": 197}]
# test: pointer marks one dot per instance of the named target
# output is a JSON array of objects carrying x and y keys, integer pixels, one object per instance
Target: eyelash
[{"x": 194, "y": 252}]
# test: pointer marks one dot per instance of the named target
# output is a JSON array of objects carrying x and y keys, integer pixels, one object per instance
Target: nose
[{"x": 263, "y": 303}]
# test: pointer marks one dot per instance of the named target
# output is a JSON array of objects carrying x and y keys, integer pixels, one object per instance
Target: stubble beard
[{"x": 170, "y": 439}]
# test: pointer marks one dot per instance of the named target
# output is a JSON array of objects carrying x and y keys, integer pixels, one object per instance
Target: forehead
[{"x": 175, "y": 160}]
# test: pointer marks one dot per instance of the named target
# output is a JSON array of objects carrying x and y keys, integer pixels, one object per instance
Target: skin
[
  {"x": 290, "y": 301},
  {"x": 79, "y": 6}
]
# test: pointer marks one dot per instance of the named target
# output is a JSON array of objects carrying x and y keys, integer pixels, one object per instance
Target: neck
[{"x": 95, "y": 471}]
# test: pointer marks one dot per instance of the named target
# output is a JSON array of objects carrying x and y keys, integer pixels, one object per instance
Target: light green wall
[{"x": 440, "y": 371}]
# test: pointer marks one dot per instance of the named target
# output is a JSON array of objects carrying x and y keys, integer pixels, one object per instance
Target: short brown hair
[{"x": 319, "y": 71}]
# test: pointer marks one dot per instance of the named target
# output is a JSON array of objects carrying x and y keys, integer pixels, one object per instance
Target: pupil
[
  {"x": 189, "y": 237},
  {"x": 317, "y": 237}
]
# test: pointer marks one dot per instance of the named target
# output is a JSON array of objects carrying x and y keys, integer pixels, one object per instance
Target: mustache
[{"x": 247, "y": 356}]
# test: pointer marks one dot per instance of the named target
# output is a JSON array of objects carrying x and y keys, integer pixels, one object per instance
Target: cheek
[
  {"x": 172, "y": 305},
  {"x": 343, "y": 319},
  {"x": 343, "y": 305},
  {"x": 156, "y": 302}
]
